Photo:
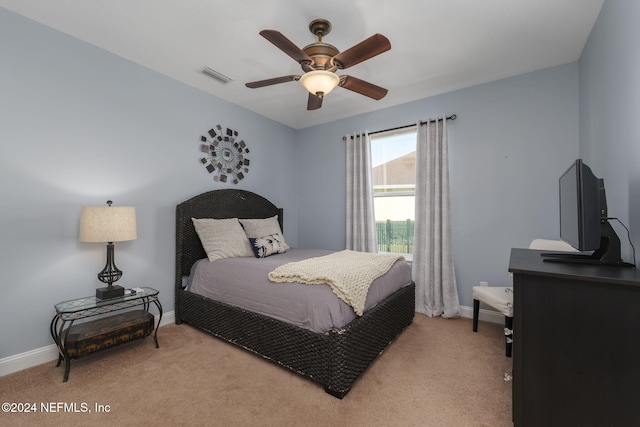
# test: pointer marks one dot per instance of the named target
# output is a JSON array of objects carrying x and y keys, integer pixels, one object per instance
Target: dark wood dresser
[{"x": 576, "y": 343}]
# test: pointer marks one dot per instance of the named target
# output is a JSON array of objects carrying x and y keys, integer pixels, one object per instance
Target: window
[{"x": 393, "y": 159}]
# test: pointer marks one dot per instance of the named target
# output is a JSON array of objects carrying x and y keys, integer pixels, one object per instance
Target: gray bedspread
[{"x": 244, "y": 282}]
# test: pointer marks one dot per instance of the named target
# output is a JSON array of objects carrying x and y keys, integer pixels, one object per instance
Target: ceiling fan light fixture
[
  {"x": 320, "y": 60},
  {"x": 319, "y": 82}
]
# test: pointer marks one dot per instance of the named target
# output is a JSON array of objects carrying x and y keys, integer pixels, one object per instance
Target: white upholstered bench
[{"x": 501, "y": 297}]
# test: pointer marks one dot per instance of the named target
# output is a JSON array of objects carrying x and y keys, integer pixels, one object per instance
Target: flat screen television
[
  {"x": 580, "y": 207},
  {"x": 583, "y": 219}
]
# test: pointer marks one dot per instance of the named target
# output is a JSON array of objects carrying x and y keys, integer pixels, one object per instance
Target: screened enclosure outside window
[{"x": 393, "y": 158}]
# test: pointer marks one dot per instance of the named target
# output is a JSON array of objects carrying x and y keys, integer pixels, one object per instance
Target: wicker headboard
[{"x": 218, "y": 204}]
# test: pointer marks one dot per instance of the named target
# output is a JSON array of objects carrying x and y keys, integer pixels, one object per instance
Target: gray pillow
[
  {"x": 255, "y": 228},
  {"x": 222, "y": 238}
]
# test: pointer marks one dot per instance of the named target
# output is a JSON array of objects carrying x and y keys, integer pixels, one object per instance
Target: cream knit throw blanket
[{"x": 349, "y": 273}]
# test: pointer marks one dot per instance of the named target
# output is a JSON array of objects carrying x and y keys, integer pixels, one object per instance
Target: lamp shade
[
  {"x": 319, "y": 82},
  {"x": 107, "y": 224}
]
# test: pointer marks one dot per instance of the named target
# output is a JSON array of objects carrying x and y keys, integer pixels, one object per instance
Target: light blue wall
[
  {"x": 80, "y": 126},
  {"x": 610, "y": 108},
  {"x": 512, "y": 140}
]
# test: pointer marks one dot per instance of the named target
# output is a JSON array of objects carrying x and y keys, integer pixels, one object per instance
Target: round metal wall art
[{"x": 224, "y": 156}]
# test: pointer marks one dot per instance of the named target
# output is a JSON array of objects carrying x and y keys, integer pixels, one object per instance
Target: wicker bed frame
[{"x": 334, "y": 360}]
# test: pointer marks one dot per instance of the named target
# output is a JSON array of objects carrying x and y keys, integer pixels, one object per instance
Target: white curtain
[
  {"x": 433, "y": 269},
  {"x": 361, "y": 226}
]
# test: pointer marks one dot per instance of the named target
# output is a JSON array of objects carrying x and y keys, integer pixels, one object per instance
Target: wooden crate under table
[{"x": 88, "y": 337}]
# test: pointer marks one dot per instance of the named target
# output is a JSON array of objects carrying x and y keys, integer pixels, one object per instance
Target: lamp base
[{"x": 109, "y": 292}]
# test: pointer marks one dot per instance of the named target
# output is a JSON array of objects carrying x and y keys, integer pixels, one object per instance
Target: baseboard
[
  {"x": 484, "y": 315},
  {"x": 29, "y": 359}
]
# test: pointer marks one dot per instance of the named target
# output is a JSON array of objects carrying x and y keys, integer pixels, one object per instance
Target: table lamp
[{"x": 108, "y": 224}]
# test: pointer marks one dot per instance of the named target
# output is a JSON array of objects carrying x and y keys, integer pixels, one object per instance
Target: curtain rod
[{"x": 451, "y": 117}]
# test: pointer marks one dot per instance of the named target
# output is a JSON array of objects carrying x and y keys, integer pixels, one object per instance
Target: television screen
[
  {"x": 583, "y": 220},
  {"x": 580, "y": 207}
]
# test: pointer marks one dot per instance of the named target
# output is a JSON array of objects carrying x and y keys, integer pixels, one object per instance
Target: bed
[{"x": 334, "y": 359}]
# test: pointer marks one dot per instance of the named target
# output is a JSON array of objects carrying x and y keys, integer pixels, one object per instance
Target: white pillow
[
  {"x": 222, "y": 238},
  {"x": 255, "y": 228}
]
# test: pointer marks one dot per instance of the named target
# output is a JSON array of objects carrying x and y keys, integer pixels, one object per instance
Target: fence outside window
[{"x": 395, "y": 236}]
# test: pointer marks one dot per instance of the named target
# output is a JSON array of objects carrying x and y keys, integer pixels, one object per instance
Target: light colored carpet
[{"x": 437, "y": 373}]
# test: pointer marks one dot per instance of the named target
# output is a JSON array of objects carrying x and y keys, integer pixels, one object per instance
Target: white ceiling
[{"x": 437, "y": 45}]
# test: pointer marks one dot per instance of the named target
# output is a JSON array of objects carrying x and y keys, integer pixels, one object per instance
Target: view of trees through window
[{"x": 393, "y": 156}]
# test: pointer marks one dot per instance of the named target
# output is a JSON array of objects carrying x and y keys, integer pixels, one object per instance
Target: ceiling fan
[{"x": 320, "y": 61}]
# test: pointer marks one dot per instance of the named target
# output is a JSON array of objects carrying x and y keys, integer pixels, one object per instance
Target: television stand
[
  {"x": 591, "y": 259},
  {"x": 608, "y": 254}
]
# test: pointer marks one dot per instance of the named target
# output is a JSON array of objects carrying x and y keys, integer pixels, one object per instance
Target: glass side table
[{"x": 107, "y": 328}]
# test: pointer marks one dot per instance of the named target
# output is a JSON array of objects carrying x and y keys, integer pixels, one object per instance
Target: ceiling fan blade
[
  {"x": 274, "y": 81},
  {"x": 362, "y": 87},
  {"x": 314, "y": 102},
  {"x": 374, "y": 45},
  {"x": 286, "y": 45}
]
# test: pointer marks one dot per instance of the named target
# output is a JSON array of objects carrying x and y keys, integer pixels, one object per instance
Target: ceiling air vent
[{"x": 216, "y": 75}]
